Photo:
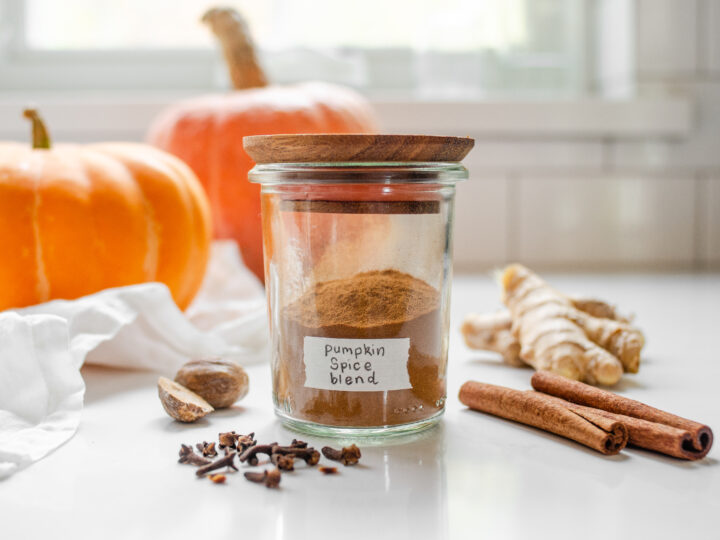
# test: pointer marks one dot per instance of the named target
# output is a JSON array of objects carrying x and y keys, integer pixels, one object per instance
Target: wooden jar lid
[{"x": 325, "y": 148}]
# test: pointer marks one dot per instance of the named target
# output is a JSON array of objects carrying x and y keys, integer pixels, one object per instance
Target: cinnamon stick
[
  {"x": 648, "y": 427},
  {"x": 641, "y": 433},
  {"x": 595, "y": 431}
]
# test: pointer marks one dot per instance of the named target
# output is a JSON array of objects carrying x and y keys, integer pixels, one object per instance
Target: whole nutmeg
[
  {"x": 218, "y": 382},
  {"x": 180, "y": 403}
]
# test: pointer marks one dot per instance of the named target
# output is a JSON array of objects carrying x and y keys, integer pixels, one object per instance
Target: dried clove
[
  {"x": 246, "y": 449},
  {"x": 217, "y": 478},
  {"x": 231, "y": 439},
  {"x": 225, "y": 461},
  {"x": 245, "y": 441},
  {"x": 270, "y": 478},
  {"x": 250, "y": 455},
  {"x": 227, "y": 439},
  {"x": 188, "y": 455},
  {"x": 207, "y": 449},
  {"x": 349, "y": 455},
  {"x": 308, "y": 455},
  {"x": 283, "y": 462}
]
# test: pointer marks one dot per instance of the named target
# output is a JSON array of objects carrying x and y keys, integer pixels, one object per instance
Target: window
[{"x": 444, "y": 49}]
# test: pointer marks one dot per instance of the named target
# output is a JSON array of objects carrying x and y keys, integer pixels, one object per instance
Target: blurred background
[{"x": 597, "y": 121}]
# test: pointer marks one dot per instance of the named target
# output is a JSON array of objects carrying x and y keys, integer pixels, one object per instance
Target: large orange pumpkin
[
  {"x": 78, "y": 219},
  {"x": 207, "y": 132}
]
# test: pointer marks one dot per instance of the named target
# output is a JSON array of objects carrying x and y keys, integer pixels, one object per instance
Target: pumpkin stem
[
  {"x": 232, "y": 31},
  {"x": 40, "y": 135}
]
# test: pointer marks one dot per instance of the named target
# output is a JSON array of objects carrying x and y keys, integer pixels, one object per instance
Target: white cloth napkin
[{"x": 43, "y": 347}]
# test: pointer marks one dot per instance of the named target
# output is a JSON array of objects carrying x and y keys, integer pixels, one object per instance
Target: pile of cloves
[{"x": 246, "y": 449}]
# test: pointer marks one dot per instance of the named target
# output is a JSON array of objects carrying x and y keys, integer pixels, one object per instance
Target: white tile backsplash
[
  {"x": 533, "y": 155},
  {"x": 480, "y": 223},
  {"x": 604, "y": 222},
  {"x": 710, "y": 42},
  {"x": 700, "y": 151},
  {"x": 648, "y": 201},
  {"x": 709, "y": 225},
  {"x": 666, "y": 37}
]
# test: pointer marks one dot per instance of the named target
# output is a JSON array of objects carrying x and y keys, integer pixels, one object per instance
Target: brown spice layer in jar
[{"x": 370, "y": 305}]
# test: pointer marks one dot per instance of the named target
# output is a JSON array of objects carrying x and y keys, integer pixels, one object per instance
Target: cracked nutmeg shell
[
  {"x": 218, "y": 382},
  {"x": 181, "y": 403}
]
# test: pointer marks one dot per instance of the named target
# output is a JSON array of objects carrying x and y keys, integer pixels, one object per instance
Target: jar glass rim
[{"x": 359, "y": 173}]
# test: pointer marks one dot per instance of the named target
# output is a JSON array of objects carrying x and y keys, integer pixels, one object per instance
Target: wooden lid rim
[{"x": 359, "y": 148}]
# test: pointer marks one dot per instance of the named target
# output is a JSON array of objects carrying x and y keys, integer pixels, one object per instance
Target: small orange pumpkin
[
  {"x": 207, "y": 132},
  {"x": 78, "y": 219}
]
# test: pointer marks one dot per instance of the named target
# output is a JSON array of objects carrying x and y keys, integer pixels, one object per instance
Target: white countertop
[{"x": 473, "y": 476}]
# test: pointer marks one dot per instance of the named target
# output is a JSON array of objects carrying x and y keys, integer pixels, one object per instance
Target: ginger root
[
  {"x": 493, "y": 332},
  {"x": 579, "y": 338}
]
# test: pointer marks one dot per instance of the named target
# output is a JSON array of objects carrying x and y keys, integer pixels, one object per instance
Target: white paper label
[{"x": 356, "y": 365}]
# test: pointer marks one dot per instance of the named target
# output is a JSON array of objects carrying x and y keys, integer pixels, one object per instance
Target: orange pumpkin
[
  {"x": 207, "y": 132},
  {"x": 78, "y": 219}
]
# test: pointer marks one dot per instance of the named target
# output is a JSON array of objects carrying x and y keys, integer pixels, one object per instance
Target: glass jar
[{"x": 357, "y": 270}]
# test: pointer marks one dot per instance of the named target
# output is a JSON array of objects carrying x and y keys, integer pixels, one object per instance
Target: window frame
[
  {"x": 388, "y": 72},
  {"x": 24, "y": 69}
]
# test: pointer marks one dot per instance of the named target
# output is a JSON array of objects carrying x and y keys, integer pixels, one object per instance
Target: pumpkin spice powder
[{"x": 381, "y": 304}]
